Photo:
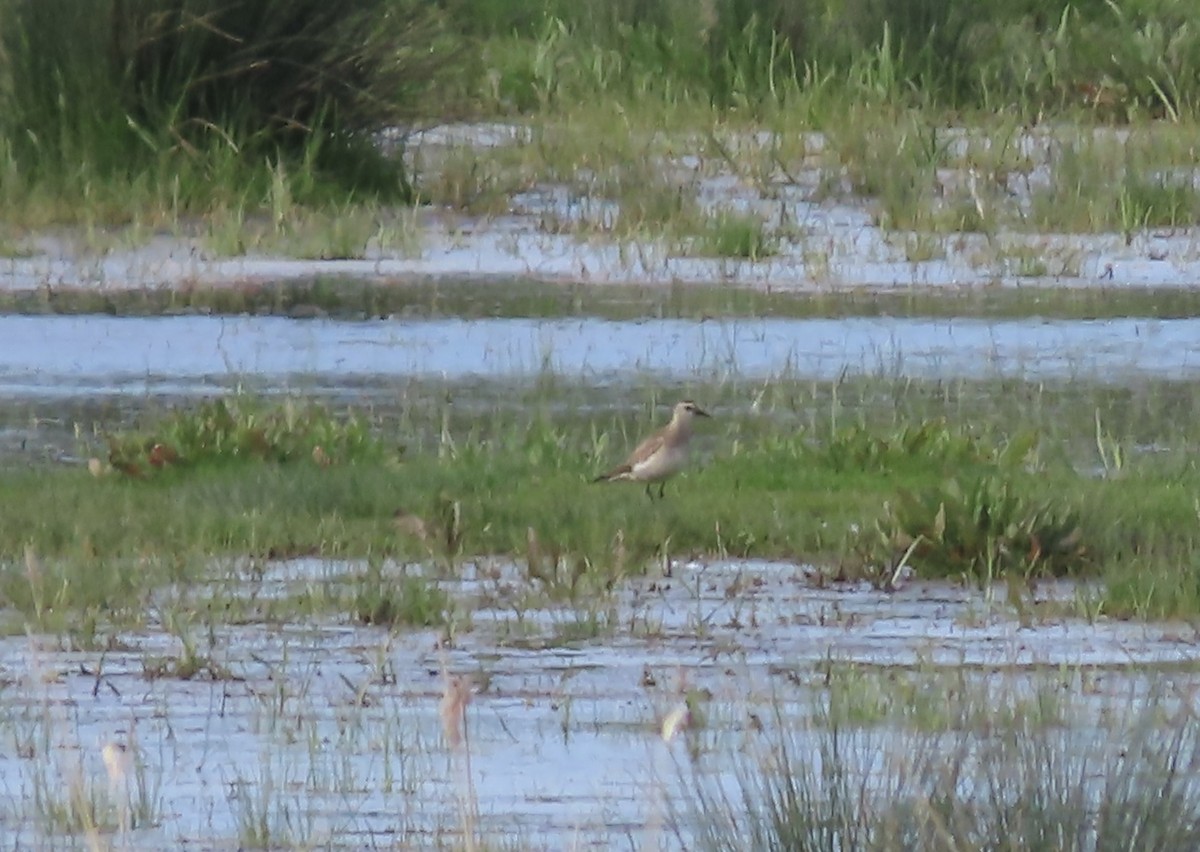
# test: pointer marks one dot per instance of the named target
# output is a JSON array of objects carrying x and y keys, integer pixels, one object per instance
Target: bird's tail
[{"x": 615, "y": 473}]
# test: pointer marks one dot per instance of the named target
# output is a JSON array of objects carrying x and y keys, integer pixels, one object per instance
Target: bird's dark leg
[
  {"x": 649, "y": 493},
  {"x": 662, "y": 488}
]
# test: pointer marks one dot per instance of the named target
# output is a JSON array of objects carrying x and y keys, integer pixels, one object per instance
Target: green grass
[
  {"x": 978, "y": 492},
  {"x": 1041, "y": 774},
  {"x": 1103, "y": 183},
  {"x": 737, "y": 235},
  {"x": 167, "y": 115},
  {"x": 176, "y": 123},
  {"x": 1122, "y": 60}
]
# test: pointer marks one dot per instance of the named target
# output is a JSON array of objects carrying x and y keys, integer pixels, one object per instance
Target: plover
[{"x": 663, "y": 454}]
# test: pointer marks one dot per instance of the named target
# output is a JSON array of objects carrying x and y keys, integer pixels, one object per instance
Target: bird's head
[{"x": 686, "y": 410}]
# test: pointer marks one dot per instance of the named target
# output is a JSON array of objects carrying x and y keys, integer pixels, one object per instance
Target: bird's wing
[
  {"x": 644, "y": 450},
  {"x": 641, "y": 452}
]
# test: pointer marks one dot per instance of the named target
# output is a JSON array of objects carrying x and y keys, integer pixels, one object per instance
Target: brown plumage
[{"x": 661, "y": 455}]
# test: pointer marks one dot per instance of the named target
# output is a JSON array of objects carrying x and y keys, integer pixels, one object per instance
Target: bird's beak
[{"x": 700, "y": 412}]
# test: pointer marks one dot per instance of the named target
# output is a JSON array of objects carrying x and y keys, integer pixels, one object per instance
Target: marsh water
[
  {"x": 316, "y": 735},
  {"x": 331, "y": 734},
  {"x": 96, "y": 356}
]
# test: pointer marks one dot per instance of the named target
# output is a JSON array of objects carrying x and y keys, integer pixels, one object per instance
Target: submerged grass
[
  {"x": 1019, "y": 781},
  {"x": 774, "y": 753}
]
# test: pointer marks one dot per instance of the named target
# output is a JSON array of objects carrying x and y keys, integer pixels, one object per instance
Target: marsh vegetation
[
  {"x": 885, "y": 609},
  {"x": 970, "y": 480},
  {"x": 424, "y": 565},
  {"x": 256, "y": 126}
]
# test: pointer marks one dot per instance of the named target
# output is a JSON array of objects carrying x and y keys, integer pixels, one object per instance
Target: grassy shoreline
[{"x": 351, "y": 298}]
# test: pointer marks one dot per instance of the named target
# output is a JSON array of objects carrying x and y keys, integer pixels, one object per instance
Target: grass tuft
[
  {"x": 391, "y": 602},
  {"x": 240, "y": 428},
  {"x": 737, "y": 235},
  {"x": 1034, "y": 784}
]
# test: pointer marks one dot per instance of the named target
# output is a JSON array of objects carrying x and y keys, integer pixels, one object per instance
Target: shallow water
[
  {"x": 94, "y": 356},
  {"x": 330, "y": 733},
  {"x": 826, "y": 240}
]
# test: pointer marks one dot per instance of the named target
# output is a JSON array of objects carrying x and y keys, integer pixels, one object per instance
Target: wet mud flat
[{"x": 590, "y": 723}]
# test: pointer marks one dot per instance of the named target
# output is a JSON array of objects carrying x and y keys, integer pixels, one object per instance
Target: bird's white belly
[{"x": 666, "y": 462}]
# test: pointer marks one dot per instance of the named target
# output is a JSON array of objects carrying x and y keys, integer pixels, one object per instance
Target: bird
[{"x": 662, "y": 455}]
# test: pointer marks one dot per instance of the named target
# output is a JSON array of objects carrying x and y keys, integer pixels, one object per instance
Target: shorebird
[{"x": 663, "y": 454}]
